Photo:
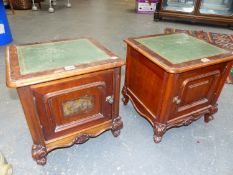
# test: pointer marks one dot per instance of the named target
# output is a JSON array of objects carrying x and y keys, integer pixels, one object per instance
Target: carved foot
[
  {"x": 117, "y": 125},
  {"x": 125, "y": 98},
  {"x": 116, "y": 133},
  {"x": 39, "y": 154},
  {"x": 159, "y": 130},
  {"x": 209, "y": 116},
  {"x": 157, "y": 139}
]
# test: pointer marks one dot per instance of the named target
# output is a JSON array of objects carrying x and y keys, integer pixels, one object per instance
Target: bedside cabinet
[
  {"x": 69, "y": 91},
  {"x": 174, "y": 79}
]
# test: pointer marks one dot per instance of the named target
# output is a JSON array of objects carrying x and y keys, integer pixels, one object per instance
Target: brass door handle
[
  {"x": 177, "y": 100},
  {"x": 109, "y": 99}
]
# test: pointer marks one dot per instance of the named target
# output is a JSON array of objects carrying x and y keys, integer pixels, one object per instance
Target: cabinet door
[
  {"x": 196, "y": 90},
  {"x": 73, "y": 104}
]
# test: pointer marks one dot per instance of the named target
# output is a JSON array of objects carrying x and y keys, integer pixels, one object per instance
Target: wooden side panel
[
  {"x": 26, "y": 98},
  {"x": 144, "y": 81},
  {"x": 68, "y": 105}
]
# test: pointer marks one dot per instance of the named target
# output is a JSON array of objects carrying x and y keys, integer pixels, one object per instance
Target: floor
[{"x": 199, "y": 149}]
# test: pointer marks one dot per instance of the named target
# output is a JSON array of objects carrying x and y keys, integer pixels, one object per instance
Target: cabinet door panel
[
  {"x": 196, "y": 90},
  {"x": 69, "y": 105}
]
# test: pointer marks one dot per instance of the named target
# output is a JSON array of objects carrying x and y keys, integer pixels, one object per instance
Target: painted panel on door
[{"x": 81, "y": 105}]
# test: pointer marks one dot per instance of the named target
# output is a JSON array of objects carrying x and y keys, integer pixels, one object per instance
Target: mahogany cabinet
[
  {"x": 204, "y": 11},
  {"x": 174, "y": 79},
  {"x": 69, "y": 91}
]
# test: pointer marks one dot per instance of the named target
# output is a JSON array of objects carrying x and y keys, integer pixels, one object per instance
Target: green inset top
[
  {"x": 178, "y": 48},
  {"x": 42, "y": 57}
]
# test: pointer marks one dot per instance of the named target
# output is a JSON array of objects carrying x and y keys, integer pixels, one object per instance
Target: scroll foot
[
  {"x": 157, "y": 139},
  {"x": 116, "y": 133},
  {"x": 209, "y": 116},
  {"x": 39, "y": 154},
  {"x": 159, "y": 130},
  {"x": 117, "y": 125}
]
